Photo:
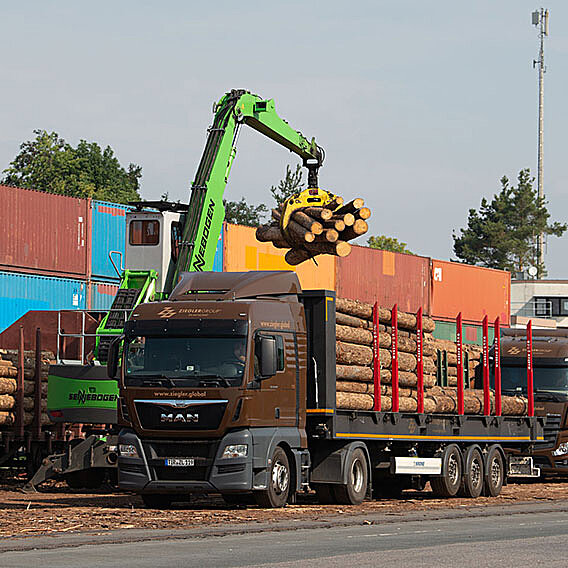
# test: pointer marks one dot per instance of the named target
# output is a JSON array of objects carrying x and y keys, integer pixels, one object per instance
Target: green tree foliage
[
  {"x": 241, "y": 213},
  {"x": 391, "y": 244},
  {"x": 48, "y": 163},
  {"x": 291, "y": 184},
  {"x": 503, "y": 233}
]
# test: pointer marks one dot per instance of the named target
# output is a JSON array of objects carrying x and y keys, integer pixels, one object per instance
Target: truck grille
[
  {"x": 551, "y": 429},
  {"x": 180, "y": 415},
  {"x": 203, "y": 452}
]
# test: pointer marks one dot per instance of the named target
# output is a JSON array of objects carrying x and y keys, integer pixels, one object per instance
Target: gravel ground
[{"x": 57, "y": 509}]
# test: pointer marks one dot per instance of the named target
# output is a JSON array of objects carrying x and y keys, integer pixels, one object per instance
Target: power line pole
[{"x": 540, "y": 19}]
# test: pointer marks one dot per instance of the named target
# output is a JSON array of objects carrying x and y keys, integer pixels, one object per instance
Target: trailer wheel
[
  {"x": 279, "y": 477},
  {"x": 473, "y": 475},
  {"x": 354, "y": 491},
  {"x": 157, "y": 500},
  {"x": 494, "y": 473},
  {"x": 448, "y": 484}
]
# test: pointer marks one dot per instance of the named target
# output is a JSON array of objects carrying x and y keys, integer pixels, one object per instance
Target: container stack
[
  {"x": 317, "y": 230},
  {"x": 354, "y": 365},
  {"x": 8, "y": 386}
]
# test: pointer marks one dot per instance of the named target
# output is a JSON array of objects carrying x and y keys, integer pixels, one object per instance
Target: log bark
[
  {"x": 353, "y": 401},
  {"x": 345, "y": 319},
  {"x": 351, "y": 354},
  {"x": 7, "y": 418},
  {"x": 8, "y": 372},
  {"x": 276, "y": 214},
  {"x": 358, "y": 228},
  {"x": 351, "y": 207},
  {"x": 297, "y": 256},
  {"x": 307, "y": 222},
  {"x": 298, "y": 233},
  {"x": 267, "y": 233},
  {"x": 337, "y": 224},
  {"x": 356, "y": 335},
  {"x": 319, "y": 213},
  {"x": 281, "y": 244},
  {"x": 337, "y": 202},
  {"x": 354, "y": 373},
  {"x": 407, "y": 379},
  {"x": 328, "y": 236},
  {"x": 7, "y": 402},
  {"x": 340, "y": 248}
]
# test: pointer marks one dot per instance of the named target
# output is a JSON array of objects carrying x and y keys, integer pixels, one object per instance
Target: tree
[
  {"x": 241, "y": 213},
  {"x": 504, "y": 232},
  {"x": 391, "y": 244},
  {"x": 48, "y": 163},
  {"x": 291, "y": 184}
]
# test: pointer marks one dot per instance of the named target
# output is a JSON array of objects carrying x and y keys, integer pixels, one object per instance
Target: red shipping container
[
  {"x": 473, "y": 290},
  {"x": 387, "y": 277},
  {"x": 43, "y": 233}
]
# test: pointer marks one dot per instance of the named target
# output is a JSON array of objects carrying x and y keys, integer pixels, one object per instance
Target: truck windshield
[
  {"x": 545, "y": 379},
  {"x": 185, "y": 361}
]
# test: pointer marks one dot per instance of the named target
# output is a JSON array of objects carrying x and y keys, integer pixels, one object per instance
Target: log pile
[
  {"x": 8, "y": 386},
  {"x": 317, "y": 230},
  {"x": 450, "y": 349},
  {"x": 354, "y": 364}
]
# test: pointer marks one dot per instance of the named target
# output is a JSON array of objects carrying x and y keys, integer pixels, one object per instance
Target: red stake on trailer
[
  {"x": 394, "y": 357},
  {"x": 376, "y": 359},
  {"x": 486, "y": 393},
  {"x": 530, "y": 392},
  {"x": 497, "y": 329},
  {"x": 419, "y": 363},
  {"x": 460, "y": 362}
]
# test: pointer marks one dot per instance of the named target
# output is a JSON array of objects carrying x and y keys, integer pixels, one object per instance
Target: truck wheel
[
  {"x": 448, "y": 484},
  {"x": 91, "y": 478},
  {"x": 157, "y": 500},
  {"x": 495, "y": 473},
  {"x": 354, "y": 491},
  {"x": 278, "y": 482},
  {"x": 473, "y": 475}
]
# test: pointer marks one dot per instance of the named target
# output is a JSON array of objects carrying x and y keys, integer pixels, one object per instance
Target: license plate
[{"x": 180, "y": 462}]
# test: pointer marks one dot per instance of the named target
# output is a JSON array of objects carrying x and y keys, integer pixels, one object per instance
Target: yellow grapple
[{"x": 310, "y": 197}]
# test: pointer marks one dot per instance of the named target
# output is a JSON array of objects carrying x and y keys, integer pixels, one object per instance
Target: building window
[
  {"x": 144, "y": 233},
  {"x": 542, "y": 307}
]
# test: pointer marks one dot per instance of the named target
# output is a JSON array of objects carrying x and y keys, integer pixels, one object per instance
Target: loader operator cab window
[{"x": 144, "y": 232}]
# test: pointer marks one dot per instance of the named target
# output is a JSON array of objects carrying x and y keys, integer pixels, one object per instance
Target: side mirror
[
  {"x": 268, "y": 363},
  {"x": 112, "y": 359}
]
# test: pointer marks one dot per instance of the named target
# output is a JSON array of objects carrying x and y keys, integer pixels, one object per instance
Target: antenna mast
[{"x": 540, "y": 19}]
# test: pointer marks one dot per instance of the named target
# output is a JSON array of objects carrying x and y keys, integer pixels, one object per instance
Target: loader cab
[{"x": 153, "y": 239}]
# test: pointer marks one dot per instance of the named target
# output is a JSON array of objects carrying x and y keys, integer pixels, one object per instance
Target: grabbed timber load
[
  {"x": 232, "y": 387},
  {"x": 355, "y": 356},
  {"x": 315, "y": 222}
]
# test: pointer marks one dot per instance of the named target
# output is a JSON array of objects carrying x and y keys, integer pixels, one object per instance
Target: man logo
[
  {"x": 185, "y": 417},
  {"x": 167, "y": 313}
]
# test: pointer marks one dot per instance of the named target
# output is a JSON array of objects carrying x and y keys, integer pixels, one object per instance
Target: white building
[{"x": 543, "y": 301}]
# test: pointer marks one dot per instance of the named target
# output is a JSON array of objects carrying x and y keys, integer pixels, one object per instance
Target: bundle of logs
[
  {"x": 317, "y": 230},
  {"x": 9, "y": 386},
  {"x": 449, "y": 348},
  {"x": 354, "y": 365}
]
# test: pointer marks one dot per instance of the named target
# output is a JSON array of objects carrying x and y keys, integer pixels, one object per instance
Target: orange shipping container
[
  {"x": 387, "y": 277},
  {"x": 475, "y": 291},
  {"x": 243, "y": 252}
]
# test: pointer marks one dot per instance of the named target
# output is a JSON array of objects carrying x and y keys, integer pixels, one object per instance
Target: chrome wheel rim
[
  {"x": 357, "y": 476},
  {"x": 280, "y": 477},
  {"x": 495, "y": 472},
  {"x": 453, "y": 470},
  {"x": 476, "y": 477}
]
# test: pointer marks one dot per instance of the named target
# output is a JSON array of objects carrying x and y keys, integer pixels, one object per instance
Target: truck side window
[{"x": 144, "y": 233}]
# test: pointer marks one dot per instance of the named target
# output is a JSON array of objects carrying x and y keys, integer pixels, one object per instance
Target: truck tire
[
  {"x": 354, "y": 491},
  {"x": 473, "y": 475},
  {"x": 495, "y": 472},
  {"x": 91, "y": 478},
  {"x": 448, "y": 484},
  {"x": 157, "y": 500},
  {"x": 279, "y": 482}
]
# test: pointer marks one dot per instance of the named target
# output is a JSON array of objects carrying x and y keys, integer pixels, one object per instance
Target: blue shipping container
[
  {"x": 20, "y": 293},
  {"x": 102, "y": 295},
  {"x": 218, "y": 260},
  {"x": 108, "y": 233}
]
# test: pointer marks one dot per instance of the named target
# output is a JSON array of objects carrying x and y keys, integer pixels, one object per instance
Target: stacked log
[
  {"x": 317, "y": 230},
  {"x": 8, "y": 386},
  {"x": 449, "y": 348},
  {"x": 354, "y": 364}
]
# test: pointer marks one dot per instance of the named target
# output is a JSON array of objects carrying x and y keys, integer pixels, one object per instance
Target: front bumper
[{"x": 210, "y": 473}]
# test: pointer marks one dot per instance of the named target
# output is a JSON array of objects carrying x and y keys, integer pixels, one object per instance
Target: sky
[{"x": 421, "y": 107}]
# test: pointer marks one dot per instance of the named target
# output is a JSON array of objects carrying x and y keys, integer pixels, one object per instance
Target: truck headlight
[
  {"x": 235, "y": 451},
  {"x": 127, "y": 450},
  {"x": 561, "y": 449}
]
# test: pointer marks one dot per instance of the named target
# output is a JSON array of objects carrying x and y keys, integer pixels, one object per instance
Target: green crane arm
[{"x": 206, "y": 211}]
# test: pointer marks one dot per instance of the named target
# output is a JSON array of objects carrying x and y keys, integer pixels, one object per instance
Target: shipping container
[
  {"x": 243, "y": 252},
  {"x": 387, "y": 277},
  {"x": 101, "y": 295},
  {"x": 20, "y": 293},
  {"x": 219, "y": 251},
  {"x": 471, "y": 334},
  {"x": 108, "y": 222},
  {"x": 475, "y": 291},
  {"x": 43, "y": 233}
]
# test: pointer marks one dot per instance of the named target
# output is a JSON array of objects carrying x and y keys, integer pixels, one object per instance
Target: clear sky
[{"x": 420, "y": 106}]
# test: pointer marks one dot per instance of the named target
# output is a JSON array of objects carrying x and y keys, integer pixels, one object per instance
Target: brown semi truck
[
  {"x": 550, "y": 380},
  {"x": 230, "y": 387}
]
